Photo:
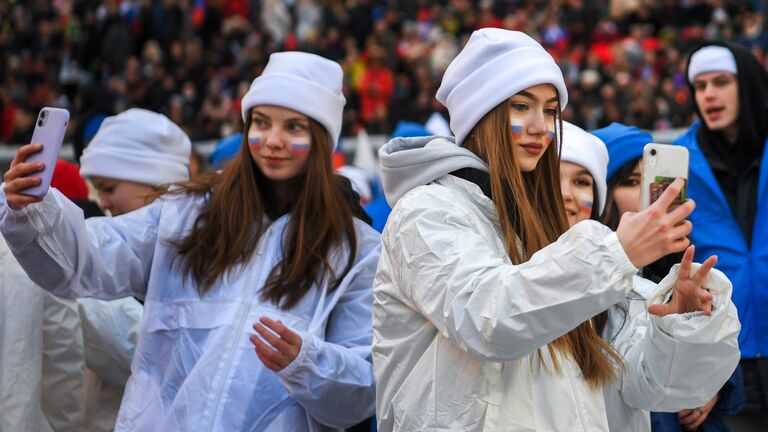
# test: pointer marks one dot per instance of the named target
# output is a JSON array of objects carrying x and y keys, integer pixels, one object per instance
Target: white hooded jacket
[
  {"x": 459, "y": 330},
  {"x": 194, "y": 367}
]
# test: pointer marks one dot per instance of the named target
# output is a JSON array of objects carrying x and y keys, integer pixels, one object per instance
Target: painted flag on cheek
[
  {"x": 254, "y": 142},
  {"x": 585, "y": 205},
  {"x": 550, "y": 137},
  {"x": 300, "y": 148},
  {"x": 517, "y": 132}
]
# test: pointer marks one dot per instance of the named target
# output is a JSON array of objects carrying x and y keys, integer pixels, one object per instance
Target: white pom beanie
[
  {"x": 587, "y": 150},
  {"x": 494, "y": 65},
  {"x": 139, "y": 146},
  {"x": 712, "y": 58},
  {"x": 303, "y": 82}
]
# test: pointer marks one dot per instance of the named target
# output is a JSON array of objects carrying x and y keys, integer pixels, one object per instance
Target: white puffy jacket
[
  {"x": 194, "y": 367},
  {"x": 457, "y": 326}
]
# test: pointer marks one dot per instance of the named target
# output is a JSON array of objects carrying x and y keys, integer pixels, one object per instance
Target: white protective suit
[
  {"x": 457, "y": 326},
  {"x": 41, "y": 354},
  {"x": 194, "y": 367},
  {"x": 110, "y": 333}
]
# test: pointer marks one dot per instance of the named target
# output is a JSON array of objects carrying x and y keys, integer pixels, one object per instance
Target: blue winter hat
[
  {"x": 624, "y": 143},
  {"x": 226, "y": 149},
  {"x": 405, "y": 129}
]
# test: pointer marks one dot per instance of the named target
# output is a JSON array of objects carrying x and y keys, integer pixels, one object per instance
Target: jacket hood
[{"x": 407, "y": 163}]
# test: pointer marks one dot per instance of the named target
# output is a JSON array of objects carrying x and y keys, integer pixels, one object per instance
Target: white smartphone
[
  {"x": 662, "y": 164},
  {"x": 49, "y": 131}
]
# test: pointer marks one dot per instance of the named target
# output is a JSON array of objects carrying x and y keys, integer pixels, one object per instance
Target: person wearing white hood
[
  {"x": 256, "y": 280},
  {"x": 484, "y": 299},
  {"x": 130, "y": 161}
]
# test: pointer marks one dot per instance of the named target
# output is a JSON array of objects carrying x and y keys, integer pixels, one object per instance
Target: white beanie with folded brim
[
  {"x": 139, "y": 146},
  {"x": 583, "y": 148},
  {"x": 494, "y": 65},
  {"x": 306, "y": 83},
  {"x": 711, "y": 58}
]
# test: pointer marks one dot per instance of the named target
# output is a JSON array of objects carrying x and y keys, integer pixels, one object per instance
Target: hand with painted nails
[
  {"x": 20, "y": 176},
  {"x": 282, "y": 344},
  {"x": 689, "y": 295}
]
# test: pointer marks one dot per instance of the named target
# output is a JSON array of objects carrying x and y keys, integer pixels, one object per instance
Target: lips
[
  {"x": 271, "y": 160},
  {"x": 532, "y": 148},
  {"x": 714, "y": 112}
]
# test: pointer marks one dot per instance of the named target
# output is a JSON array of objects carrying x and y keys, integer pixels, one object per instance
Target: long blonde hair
[{"x": 530, "y": 208}]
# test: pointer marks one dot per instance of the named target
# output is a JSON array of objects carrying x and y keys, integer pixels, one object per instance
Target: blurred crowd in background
[{"x": 193, "y": 60}]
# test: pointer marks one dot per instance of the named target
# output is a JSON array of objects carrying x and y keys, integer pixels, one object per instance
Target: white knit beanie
[
  {"x": 494, "y": 65},
  {"x": 711, "y": 58},
  {"x": 587, "y": 150},
  {"x": 303, "y": 82},
  {"x": 139, "y": 146}
]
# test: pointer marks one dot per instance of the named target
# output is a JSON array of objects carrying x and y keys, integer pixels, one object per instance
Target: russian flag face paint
[
  {"x": 300, "y": 147},
  {"x": 585, "y": 205},
  {"x": 254, "y": 141},
  {"x": 550, "y": 137},
  {"x": 517, "y": 132}
]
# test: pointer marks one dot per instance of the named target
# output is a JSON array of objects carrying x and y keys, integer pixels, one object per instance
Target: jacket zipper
[{"x": 241, "y": 322}]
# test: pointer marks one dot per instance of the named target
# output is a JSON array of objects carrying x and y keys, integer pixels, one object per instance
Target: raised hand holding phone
[
  {"x": 29, "y": 177},
  {"x": 654, "y": 232}
]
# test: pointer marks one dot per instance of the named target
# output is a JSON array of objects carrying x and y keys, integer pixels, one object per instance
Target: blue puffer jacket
[{"x": 716, "y": 232}]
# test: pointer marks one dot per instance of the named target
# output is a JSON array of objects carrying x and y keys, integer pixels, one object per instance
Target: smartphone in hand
[
  {"x": 662, "y": 164},
  {"x": 49, "y": 131}
]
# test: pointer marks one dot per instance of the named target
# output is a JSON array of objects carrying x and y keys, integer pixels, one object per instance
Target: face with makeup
[
  {"x": 279, "y": 140},
  {"x": 532, "y": 113},
  {"x": 577, "y": 186},
  {"x": 626, "y": 193}
]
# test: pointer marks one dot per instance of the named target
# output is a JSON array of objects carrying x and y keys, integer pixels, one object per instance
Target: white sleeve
[
  {"x": 103, "y": 257},
  {"x": 488, "y": 306},
  {"x": 332, "y": 378},
  {"x": 110, "y": 333},
  {"x": 680, "y": 360}
]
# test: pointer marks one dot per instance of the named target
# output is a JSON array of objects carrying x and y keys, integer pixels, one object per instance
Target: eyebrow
[
  {"x": 721, "y": 75},
  {"x": 530, "y": 95},
  {"x": 584, "y": 172}
]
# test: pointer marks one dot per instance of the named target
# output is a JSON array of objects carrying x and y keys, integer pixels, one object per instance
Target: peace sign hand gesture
[{"x": 689, "y": 295}]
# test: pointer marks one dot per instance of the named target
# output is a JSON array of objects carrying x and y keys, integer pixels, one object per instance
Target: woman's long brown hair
[
  {"x": 238, "y": 208},
  {"x": 530, "y": 208}
]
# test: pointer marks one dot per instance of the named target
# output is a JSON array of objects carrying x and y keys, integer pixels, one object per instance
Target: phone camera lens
[
  {"x": 40, "y": 123},
  {"x": 653, "y": 152},
  {"x": 42, "y": 114}
]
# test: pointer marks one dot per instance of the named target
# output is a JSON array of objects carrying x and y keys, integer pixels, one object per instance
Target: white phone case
[
  {"x": 662, "y": 164},
  {"x": 49, "y": 131}
]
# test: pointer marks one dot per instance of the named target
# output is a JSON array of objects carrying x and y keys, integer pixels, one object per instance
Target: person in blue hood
[
  {"x": 378, "y": 209},
  {"x": 625, "y": 151},
  {"x": 728, "y": 180}
]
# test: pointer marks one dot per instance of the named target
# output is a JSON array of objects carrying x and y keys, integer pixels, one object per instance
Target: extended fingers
[
  {"x": 278, "y": 327},
  {"x": 24, "y": 151},
  {"x": 685, "y": 263},
  {"x": 670, "y": 193},
  {"x": 704, "y": 270},
  {"x": 660, "y": 309},
  {"x": 275, "y": 340},
  {"x": 267, "y": 355},
  {"x": 22, "y": 170},
  {"x": 682, "y": 211}
]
